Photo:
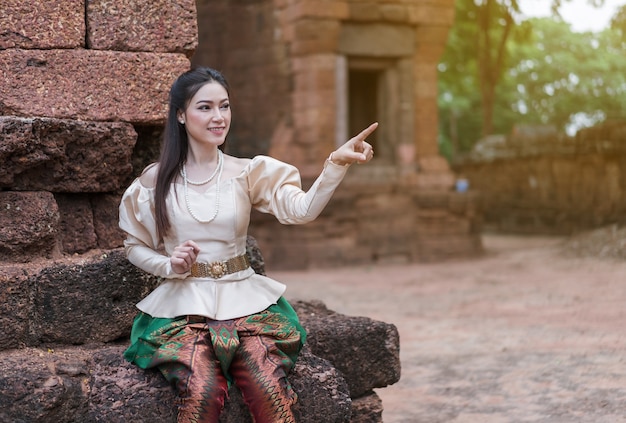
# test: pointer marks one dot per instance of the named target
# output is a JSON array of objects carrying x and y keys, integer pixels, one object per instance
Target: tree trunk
[{"x": 490, "y": 60}]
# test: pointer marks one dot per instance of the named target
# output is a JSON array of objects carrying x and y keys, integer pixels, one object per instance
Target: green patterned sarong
[{"x": 151, "y": 346}]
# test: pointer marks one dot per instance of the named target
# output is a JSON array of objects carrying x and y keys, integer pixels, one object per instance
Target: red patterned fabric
[{"x": 201, "y": 356}]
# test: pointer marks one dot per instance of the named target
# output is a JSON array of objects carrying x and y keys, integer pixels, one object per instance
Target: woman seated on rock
[{"x": 213, "y": 321}]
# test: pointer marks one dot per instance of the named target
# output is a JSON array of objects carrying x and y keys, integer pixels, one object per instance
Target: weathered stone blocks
[
  {"x": 72, "y": 300},
  {"x": 89, "y": 222},
  {"x": 77, "y": 233},
  {"x": 15, "y": 305},
  {"x": 88, "y": 384},
  {"x": 143, "y": 25},
  {"x": 43, "y": 24},
  {"x": 363, "y": 367},
  {"x": 64, "y": 155},
  {"x": 88, "y": 84},
  {"x": 105, "y": 221},
  {"x": 94, "y": 383},
  {"x": 383, "y": 222},
  {"x": 29, "y": 223},
  {"x": 344, "y": 360},
  {"x": 539, "y": 181},
  {"x": 99, "y": 296}
]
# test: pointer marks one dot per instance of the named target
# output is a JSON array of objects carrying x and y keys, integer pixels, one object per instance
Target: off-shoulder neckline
[{"x": 243, "y": 172}]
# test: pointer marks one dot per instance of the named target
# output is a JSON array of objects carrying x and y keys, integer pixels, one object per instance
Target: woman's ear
[{"x": 181, "y": 117}]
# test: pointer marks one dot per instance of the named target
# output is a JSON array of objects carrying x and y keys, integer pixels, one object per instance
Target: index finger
[{"x": 367, "y": 131}]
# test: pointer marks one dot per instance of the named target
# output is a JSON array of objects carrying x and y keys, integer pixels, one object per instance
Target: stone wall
[
  {"x": 537, "y": 181},
  {"x": 66, "y": 323},
  {"x": 79, "y": 81},
  {"x": 83, "y": 96},
  {"x": 288, "y": 63},
  {"x": 286, "y": 58},
  {"x": 372, "y": 220}
]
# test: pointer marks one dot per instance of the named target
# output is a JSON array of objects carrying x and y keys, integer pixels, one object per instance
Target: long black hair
[{"x": 175, "y": 142}]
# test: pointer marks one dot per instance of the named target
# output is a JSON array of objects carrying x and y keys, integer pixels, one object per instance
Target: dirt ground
[{"x": 528, "y": 333}]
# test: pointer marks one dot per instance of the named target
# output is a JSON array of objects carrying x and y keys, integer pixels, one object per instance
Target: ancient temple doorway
[
  {"x": 370, "y": 91},
  {"x": 363, "y": 101}
]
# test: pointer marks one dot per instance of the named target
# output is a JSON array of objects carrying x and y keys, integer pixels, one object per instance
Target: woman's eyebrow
[{"x": 211, "y": 101}]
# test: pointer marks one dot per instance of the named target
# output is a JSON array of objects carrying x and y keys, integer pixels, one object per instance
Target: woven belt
[{"x": 217, "y": 269}]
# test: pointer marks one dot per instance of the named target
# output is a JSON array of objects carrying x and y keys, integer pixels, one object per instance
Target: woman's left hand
[{"x": 356, "y": 149}]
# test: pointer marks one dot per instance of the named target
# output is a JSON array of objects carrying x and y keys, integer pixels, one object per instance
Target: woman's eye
[{"x": 225, "y": 106}]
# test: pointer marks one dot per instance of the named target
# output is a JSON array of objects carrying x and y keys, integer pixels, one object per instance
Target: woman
[{"x": 213, "y": 321}]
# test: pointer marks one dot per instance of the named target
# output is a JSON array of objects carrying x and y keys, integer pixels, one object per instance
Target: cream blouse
[{"x": 265, "y": 184}]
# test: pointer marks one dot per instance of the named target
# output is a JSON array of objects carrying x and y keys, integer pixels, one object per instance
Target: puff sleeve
[
  {"x": 142, "y": 246},
  {"x": 276, "y": 187}
]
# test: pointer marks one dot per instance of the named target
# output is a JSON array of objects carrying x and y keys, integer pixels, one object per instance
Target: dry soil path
[{"x": 523, "y": 334}]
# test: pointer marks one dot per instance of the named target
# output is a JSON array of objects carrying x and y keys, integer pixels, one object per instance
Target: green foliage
[
  {"x": 548, "y": 75},
  {"x": 562, "y": 73}
]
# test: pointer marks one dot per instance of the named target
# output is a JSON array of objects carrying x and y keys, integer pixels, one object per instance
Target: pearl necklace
[
  {"x": 218, "y": 172},
  {"x": 183, "y": 173}
]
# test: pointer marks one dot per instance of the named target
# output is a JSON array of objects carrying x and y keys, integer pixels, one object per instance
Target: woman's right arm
[
  {"x": 146, "y": 258},
  {"x": 136, "y": 218}
]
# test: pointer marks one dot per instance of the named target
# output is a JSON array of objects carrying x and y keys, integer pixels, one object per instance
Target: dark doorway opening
[{"x": 363, "y": 88}]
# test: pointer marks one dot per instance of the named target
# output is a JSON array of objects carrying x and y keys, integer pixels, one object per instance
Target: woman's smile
[{"x": 207, "y": 117}]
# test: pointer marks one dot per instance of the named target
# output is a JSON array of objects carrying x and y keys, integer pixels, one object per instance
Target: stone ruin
[
  {"x": 83, "y": 94},
  {"x": 307, "y": 75},
  {"x": 67, "y": 324},
  {"x": 83, "y": 99},
  {"x": 537, "y": 180}
]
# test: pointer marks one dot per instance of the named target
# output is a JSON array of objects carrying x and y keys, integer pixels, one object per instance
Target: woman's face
[{"x": 207, "y": 117}]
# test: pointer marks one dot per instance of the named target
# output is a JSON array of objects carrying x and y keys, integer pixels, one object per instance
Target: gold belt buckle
[{"x": 217, "y": 269}]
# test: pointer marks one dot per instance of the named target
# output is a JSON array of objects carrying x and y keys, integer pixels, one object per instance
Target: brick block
[
  {"x": 377, "y": 40},
  {"x": 65, "y": 155},
  {"x": 432, "y": 14},
  {"x": 314, "y": 62},
  {"x": 367, "y": 11},
  {"x": 15, "y": 307},
  {"x": 440, "y": 223},
  {"x": 435, "y": 180},
  {"x": 88, "y": 84},
  {"x": 316, "y": 29},
  {"x": 143, "y": 25},
  {"x": 306, "y": 83},
  {"x": 77, "y": 231},
  {"x": 29, "y": 223},
  {"x": 432, "y": 199},
  {"x": 319, "y": 9},
  {"x": 324, "y": 98},
  {"x": 42, "y": 24},
  {"x": 105, "y": 221},
  {"x": 394, "y": 12},
  {"x": 305, "y": 47},
  {"x": 312, "y": 124},
  {"x": 100, "y": 288},
  {"x": 433, "y": 163}
]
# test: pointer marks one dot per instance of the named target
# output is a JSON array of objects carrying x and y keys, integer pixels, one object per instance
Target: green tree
[
  {"x": 478, "y": 55},
  {"x": 561, "y": 76},
  {"x": 618, "y": 23}
]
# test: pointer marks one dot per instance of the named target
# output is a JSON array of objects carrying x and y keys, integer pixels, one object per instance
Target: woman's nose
[{"x": 217, "y": 115}]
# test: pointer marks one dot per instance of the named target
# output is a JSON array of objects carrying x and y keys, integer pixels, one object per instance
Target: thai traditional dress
[{"x": 229, "y": 324}]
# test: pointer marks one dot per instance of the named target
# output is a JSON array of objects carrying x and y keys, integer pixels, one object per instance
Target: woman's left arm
[{"x": 276, "y": 187}]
